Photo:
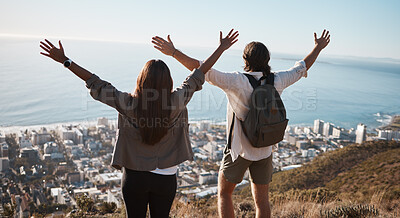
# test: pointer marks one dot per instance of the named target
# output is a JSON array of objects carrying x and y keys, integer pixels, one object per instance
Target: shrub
[
  {"x": 351, "y": 211},
  {"x": 106, "y": 207}
]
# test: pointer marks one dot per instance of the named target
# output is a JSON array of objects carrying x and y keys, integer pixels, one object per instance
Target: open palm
[
  {"x": 52, "y": 52},
  {"x": 229, "y": 40},
  {"x": 323, "y": 41}
]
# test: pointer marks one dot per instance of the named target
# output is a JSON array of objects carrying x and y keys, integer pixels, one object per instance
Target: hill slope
[
  {"x": 328, "y": 166},
  {"x": 379, "y": 173},
  {"x": 355, "y": 181}
]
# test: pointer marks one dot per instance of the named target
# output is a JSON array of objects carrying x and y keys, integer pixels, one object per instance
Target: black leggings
[{"x": 142, "y": 188}]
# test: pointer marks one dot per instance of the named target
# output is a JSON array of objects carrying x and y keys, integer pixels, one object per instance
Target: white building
[
  {"x": 50, "y": 147},
  {"x": 204, "y": 125},
  {"x": 307, "y": 130},
  {"x": 318, "y": 126},
  {"x": 337, "y": 132},
  {"x": 114, "y": 195},
  {"x": 328, "y": 128},
  {"x": 71, "y": 133},
  {"x": 212, "y": 149},
  {"x": 24, "y": 141},
  {"x": 91, "y": 172},
  {"x": 209, "y": 191},
  {"x": 88, "y": 191},
  {"x": 389, "y": 134},
  {"x": 107, "y": 178},
  {"x": 41, "y": 137},
  {"x": 58, "y": 195},
  {"x": 304, "y": 153},
  {"x": 361, "y": 133},
  {"x": 207, "y": 178}
]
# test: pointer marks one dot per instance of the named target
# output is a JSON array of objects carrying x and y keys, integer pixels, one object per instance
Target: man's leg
[
  {"x": 225, "y": 190},
  {"x": 261, "y": 199},
  {"x": 261, "y": 176}
]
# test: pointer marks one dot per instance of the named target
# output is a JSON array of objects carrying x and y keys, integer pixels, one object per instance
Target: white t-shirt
[
  {"x": 167, "y": 171},
  {"x": 238, "y": 91}
]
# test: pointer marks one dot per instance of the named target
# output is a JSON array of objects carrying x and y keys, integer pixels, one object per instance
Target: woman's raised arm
[
  {"x": 58, "y": 55},
  {"x": 168, "y": 48},
  {"x": 100, "y": 90}
]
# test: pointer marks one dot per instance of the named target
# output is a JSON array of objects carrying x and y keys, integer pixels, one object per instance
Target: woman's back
[{"x": 130, "y": 150}]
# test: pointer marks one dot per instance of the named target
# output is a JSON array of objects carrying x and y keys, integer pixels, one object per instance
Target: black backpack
[{"x": 266, "y": 121}]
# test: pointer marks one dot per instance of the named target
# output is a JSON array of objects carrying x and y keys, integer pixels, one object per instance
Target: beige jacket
[{"x": 174, "y": 148}]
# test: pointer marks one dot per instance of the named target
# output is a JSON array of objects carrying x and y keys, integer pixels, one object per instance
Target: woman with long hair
[{"x": 152, "y": 137}]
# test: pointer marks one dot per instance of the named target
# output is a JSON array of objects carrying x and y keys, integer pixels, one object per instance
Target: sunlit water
[{"x": 36, "y": 90}]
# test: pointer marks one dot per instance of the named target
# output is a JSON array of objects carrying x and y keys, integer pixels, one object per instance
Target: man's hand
[
  {"x": 52, "y": 52},
  {"x": 323, "y": 41},
  {"x": 229, "y": 40},
  {"x": 166, "y": 47},
  {"x": 225, "y": 43},
  {"x": 320, "y": 43}
]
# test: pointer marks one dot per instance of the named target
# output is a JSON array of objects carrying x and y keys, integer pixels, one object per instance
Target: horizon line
[{"x": 29, "y": 36}]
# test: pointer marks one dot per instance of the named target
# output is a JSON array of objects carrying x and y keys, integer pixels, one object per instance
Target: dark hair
[
  {"x": 256, "y": 58},
  {"x": 153, "y": 90}
]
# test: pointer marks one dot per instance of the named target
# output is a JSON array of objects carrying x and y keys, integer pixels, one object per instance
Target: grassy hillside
[
  {"x": 328, "y": 166},
  {"x": 356, "y": 181},
  {"x": 378, "y": 174}
]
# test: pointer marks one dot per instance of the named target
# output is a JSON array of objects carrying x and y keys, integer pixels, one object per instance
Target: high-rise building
[
  {"x": 328, "y": 129},
  {"x": 337, "y": 132},
  {"x": 361, "y": 133},
  {"x": 318, "y": 126}
]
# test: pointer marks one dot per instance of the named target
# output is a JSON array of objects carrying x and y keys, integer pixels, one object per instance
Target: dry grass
[{"x": 293, "y": 207}]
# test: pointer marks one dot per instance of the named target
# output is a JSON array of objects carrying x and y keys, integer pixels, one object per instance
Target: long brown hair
[
  {"x": 256, "y": 58},
  {"x": 153, "y": 90}
]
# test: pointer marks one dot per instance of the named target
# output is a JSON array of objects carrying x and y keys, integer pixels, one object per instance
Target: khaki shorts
[{"x": 260, "y": 171}]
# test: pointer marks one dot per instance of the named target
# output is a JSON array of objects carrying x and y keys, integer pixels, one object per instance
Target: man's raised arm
[
  {"x": 320, "y": 43},
  {"x": 168, "y": 48}
]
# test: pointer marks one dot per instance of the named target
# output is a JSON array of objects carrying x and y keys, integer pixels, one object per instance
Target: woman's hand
[
  {"x": 229, "y": 40},
  {"x": 52, "y": 52},
  {"x": 323, "y": 41},
  {"x": 166, "y": 47}
]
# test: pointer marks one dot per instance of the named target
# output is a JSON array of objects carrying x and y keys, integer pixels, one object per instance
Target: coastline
[{"x": 385, "y": 120}]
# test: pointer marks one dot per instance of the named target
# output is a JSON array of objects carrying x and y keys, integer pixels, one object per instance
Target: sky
[{"x": 363, "y": 28}]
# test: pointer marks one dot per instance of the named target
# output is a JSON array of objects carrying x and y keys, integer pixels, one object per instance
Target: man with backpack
[{"x": 253, "y": 102}]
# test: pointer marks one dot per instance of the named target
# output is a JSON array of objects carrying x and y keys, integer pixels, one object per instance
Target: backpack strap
[
  {"x": 270, "y": 79},
  {"x": 230, "y": 136},
  {"x": 254, "y": 83}
]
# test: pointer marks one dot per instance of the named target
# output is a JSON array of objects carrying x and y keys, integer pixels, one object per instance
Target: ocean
[{"x": 35, "y": 90}]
